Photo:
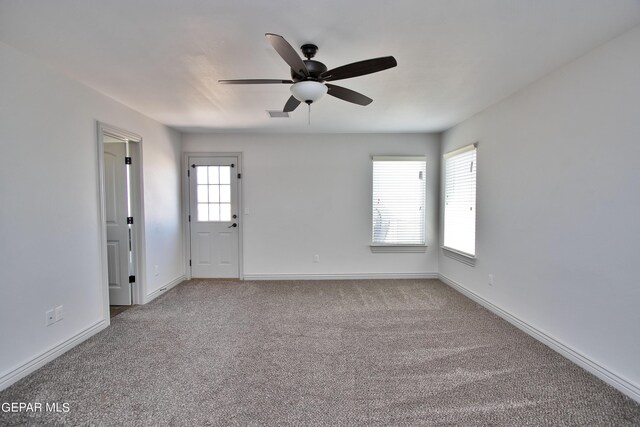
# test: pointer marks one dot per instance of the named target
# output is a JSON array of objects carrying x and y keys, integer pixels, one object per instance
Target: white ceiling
[{"x": 455, "y": 57}]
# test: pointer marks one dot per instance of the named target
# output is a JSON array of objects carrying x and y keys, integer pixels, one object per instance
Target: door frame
[
  {"x": 137, "y": 209},
  {"x": 186, "y": 156}
]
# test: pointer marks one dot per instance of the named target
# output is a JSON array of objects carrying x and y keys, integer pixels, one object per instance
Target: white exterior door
[
  {"x": 116, "y": 198},
  {"x": 214, "y": 217}
]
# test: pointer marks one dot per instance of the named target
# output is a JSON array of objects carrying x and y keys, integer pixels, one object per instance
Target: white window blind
[
  {"x": 398, "y": 200},
  {"x": 460, "y": 200}
]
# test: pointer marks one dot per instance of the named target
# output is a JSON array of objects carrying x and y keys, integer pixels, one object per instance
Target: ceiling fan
[{"x": 308, "y": 76}]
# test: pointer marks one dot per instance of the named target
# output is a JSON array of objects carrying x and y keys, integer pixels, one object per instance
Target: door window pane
[
  {"x": 225, "y": 174},
  {"x": 202, "y": 194},
  {"x": 214, "y": 193},
  {"x": 214, "y": 174},
  {"x": 203, "y": 212},
  {"x": 201, "y": 172},
  {"x": 225, "y": 193},
  {"x": 225, "y": 212}
]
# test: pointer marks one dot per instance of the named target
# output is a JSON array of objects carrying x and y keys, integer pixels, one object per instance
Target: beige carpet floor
[{"x": 387, "y": 352}]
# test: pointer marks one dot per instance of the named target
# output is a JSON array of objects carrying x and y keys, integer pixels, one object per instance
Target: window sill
[
  {"x": 398, "y": 248},
  {"x": 459, "y": 256}
]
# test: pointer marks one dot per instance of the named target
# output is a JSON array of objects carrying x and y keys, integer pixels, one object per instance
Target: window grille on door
[{"x": 213, "y": 193}]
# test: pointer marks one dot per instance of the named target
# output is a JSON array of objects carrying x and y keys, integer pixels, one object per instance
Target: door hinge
[
  {"x": 132, "y": 279},
  {"x": 232, "y": 165},
  {"x": 189, "y": 218},
  {"x": 239, "y": 175},
  {"x": 129, "y": 220},
  {"x": 188, "y": 173},
  {"x": 127, "y": 160},
  {"x": 189, "y": 263}
]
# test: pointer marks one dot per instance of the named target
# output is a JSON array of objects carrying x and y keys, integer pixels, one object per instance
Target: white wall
[
  {"x": 311, "y": 194},
  {"x": 49, "y": 230},
  {"x": 559, "y": 206}
]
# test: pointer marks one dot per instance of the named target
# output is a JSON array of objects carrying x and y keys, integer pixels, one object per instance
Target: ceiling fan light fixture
[{"x": 308, "y": 91}]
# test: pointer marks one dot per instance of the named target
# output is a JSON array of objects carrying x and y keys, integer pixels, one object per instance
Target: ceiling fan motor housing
[{"x": 315, "y": 69}]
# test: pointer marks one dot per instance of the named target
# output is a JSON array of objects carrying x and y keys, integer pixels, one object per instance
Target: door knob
[{"x": 233, "y": 225}]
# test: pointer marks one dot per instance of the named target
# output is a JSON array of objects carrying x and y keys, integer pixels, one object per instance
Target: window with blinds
[
  {"x": 460, "y": 200},
  {"x": 398, "y": 201}
]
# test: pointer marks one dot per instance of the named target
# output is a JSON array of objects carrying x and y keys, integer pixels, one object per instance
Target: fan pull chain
[{"x": 309, "y": 115}]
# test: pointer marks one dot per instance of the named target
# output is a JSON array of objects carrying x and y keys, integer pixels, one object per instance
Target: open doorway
[{"x": 119, "y": 153}]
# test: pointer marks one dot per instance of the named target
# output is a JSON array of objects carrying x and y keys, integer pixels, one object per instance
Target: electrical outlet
[
  {"x": 491, "y": 280},
  {"x": 59, "y": 313},
  {"x": 49, "y": 318},
  {"x": 316, "y": 258}
]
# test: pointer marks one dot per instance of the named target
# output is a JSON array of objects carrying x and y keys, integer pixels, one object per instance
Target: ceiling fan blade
[
  {"x": 254, "y": 82},
  {"x": 359, "y": 68},
  {"x": 291, "y": 105},
  {"x": 288, "y": 53},
  {"x": 348, "y": 95}
]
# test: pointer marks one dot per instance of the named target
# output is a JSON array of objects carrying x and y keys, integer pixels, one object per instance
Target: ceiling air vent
[{"x": 277, "y": 114}]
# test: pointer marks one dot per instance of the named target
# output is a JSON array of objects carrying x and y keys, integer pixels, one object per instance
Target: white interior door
[
  {"x": 213, "y": 208},
  {"x": 116, "y": 205}
]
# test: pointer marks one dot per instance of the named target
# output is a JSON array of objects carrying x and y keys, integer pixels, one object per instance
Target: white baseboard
[
  {"x": 154, "y": 294},
  {"x": 345, "y": 276},
  {"x": 42, "y": 359},
  {"x": 625, "y": 386}
]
